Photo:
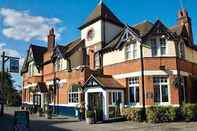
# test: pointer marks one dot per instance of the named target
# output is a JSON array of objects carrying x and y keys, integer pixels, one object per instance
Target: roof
[
  {"x": 108, "y": 82},
  {"x": 38, "y": 52},
  {"x": 68, "y": 49},
  {"x": 143, "y": 27},
  {"x": 105, "y": 81},
  {"x": 102, "y": 12}
]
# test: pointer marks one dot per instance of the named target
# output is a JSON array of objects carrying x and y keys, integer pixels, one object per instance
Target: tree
[{"x": 9, "y": 92}]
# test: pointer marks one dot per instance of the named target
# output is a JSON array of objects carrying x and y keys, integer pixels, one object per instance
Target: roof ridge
[{"x": 142, "y": 22}]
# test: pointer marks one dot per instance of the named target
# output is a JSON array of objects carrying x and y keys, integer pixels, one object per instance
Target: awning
[{"x": 41, "y": 87}]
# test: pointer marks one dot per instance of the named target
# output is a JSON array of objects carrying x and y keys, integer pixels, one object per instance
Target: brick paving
[{"x": 69, "y": 124}]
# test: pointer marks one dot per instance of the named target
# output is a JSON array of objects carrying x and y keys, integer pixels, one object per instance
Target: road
[{"x": 69, "y": 124}]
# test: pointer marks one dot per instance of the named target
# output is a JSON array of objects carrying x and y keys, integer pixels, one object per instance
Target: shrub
[
  {"x": 189, "y": 112},
  {"x": 89, "y": 114},
  {"x": 161, "y": 114},
  {"x": 133, "y": 114}
]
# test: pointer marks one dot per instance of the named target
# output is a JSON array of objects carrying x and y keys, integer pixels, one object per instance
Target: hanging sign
[{"x": 14, "y": 65}]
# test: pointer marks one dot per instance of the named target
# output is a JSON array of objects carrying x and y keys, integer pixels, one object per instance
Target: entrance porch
[{"x": 104, "y": 96}]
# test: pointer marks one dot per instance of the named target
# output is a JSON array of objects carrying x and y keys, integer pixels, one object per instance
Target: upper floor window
[
  {"x": 133, "y": 90},
  {"x": 163, "y": 46},
  {"x": 160, "y": 89},
  {"x": 154, "y": 47},
  {"x": 97, "y": 60},
  {"x": 128, "y": 51},
  {"x": 32, "y": 69},
  {"x": 58, "y": 65},
  {"x": 181, "y": 50},
  {"x": 134, "y": 50}
]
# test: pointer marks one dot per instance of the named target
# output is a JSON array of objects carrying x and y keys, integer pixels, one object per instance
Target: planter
[
  {"x": 90, "y": 120},
  {"x": 48, "y": 116}
]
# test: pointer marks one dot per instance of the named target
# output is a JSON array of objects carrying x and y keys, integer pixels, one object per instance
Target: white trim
[
  {"x": 30, "y": 85},
  {"x": 66, "y": 105},
  {"x": 150, "y": 73}
]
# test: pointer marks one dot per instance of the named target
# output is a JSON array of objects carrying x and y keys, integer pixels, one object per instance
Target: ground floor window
[
  {"x": 133, "y": 84},
  {"x": 160, "y": 89},
  {"x": 74, "y": 94}
]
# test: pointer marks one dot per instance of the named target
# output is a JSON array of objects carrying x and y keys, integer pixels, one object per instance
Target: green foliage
[
  {"x": 189, "y": 112},
  {"x": 159, "y": 114},
  {"x": 89, "y": 114},
  {"x": 133, "y": 114},
  {"x": 10, "y": 94}
]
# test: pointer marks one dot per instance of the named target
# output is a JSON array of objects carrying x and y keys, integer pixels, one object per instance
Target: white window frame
[
  {"x": 133, "y": 82},
  {"x": 72, "y": 95},
  {"x": 128, "y": 51},
  {"x": 160, "y": 84},
  {"x": 58, "y": 64},
  {"x": 116, "y": 93},
  {"x": 163, "y": 46},
  {"x": 134, "y": 50}
]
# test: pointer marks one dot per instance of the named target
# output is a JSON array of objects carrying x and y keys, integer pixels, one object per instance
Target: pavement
[{"x": 71, "y": 124}]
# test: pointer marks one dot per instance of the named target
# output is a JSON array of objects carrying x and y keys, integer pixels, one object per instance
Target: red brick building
[{"x": 114, "y": 64}]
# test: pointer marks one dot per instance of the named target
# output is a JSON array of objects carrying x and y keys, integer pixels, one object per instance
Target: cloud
[
  {"x": 11, "y": 52},
  {"x": 20, "y": 25}
]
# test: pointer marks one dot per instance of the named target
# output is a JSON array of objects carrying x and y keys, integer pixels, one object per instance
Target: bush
[
  {"x": 189, "y": 112},
  {"x": 161, "y": 114},
  {"x": 133, "y": 114},
  {"x": 89, "y": 114}
]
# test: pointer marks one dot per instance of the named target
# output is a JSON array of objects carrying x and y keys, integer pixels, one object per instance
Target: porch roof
[{"x": 105, "y": 81}]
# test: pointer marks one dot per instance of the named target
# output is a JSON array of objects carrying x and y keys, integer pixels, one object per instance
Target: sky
[{"x": 25, "y": 22}]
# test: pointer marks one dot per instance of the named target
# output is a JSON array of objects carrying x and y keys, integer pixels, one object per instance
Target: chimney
[
  {"x": 185, "y": 20},
  {"x": 51, "y": 39}
]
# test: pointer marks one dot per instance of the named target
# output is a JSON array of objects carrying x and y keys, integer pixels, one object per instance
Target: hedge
[
  {"x": 158, "y": 114},
  {"x": 189, "y": 112},
  {"x": 133, "y": 114}
]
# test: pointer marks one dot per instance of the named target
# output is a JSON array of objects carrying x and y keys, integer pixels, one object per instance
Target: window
[
  {"x": 128, "y": 51},
  {"x": 154, "y": 47},
  {"x": 116, "y": 97},
  {"x": 97, "y": 60},
  {"x": 58, "y": 65},
  {"x": 181, "y": 50},
  {"x": 163, "y": 46},
  {"x": 134, "y": 90},
  {"x": 32, "y": 69},
  {"x": 134, "y": 50},
  {"x": 74, "y": 94},
  {"x": 160, "y": 89}
]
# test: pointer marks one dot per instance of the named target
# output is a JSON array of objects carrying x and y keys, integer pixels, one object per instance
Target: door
[{"x": 95, "y": 103}]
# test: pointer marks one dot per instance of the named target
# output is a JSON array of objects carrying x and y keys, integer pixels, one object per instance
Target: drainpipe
[{"x": 142, "y": 73}]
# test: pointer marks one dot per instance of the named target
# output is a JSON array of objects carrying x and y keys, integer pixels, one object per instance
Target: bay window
[
  {"x": 133, "y": 90},
  {"x": 160, "y": 89}
]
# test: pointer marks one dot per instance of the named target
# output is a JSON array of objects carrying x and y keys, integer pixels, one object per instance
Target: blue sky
[{"x": 27, "y": 21}]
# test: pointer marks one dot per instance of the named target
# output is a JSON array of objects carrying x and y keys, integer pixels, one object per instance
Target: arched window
[{"x": 74, "y": 94}]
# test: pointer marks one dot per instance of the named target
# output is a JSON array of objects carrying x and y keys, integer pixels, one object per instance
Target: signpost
[
  {"x": 14, "y": 68},
  {"x": 21, "y": 120}
]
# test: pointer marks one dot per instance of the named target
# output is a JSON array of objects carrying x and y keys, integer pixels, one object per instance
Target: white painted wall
[
  {"x": 97, "y": 26},
  {"x": 190, "y": 54},
  {"x": 118, "y": 56}
]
